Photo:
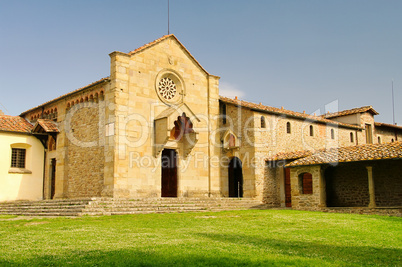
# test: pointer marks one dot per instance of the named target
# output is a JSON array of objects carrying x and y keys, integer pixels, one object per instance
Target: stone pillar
[
  {"x": 323, "y": 189},
  {"x": 371, "y": 186}
]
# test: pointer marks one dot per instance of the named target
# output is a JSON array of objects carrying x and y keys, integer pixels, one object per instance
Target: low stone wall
[{"x": 367, "y": 211}]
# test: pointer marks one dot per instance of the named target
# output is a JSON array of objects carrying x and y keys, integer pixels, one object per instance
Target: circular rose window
[{"x": 167, "y": 88}]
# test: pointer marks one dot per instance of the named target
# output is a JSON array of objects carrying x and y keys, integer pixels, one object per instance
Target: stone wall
[
  {"x": 347, "y": 186},
  {"x": 307, "y": 201},
  {"x": 85, "y": 154},
  {"x": 387, "y": 177},
  {"x": 241, "y": 122},
  {"x": 272, "y": 194},
  {"x": 387, "y": 134}
]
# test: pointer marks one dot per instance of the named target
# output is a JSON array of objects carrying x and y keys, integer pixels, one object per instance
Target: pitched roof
[
  {"x": 68, "y": 94},
  {"x": 148, "y": 45},
  {"x": 350, "y": 112},
  {"x": 281, "y": 111},
  {"x": 290, "y": 155},
  {"x": 48, "y": 126},
  {"x": 142, "y": 48},
  {"x": 14, "y": 124},
  {"x": 380, "y": 124},
  {"x": 366, "y": 152}
]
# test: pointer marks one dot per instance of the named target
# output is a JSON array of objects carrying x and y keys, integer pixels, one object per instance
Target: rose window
[{"x": 167, "y": 88}]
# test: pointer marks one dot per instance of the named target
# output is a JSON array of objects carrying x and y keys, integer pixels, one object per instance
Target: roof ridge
[
  {"x": 67, "y": 94},
  {"x": 283, "y": 111},
  {"x": 350, "y": 111},
  {"x": 150, "y": 44}
]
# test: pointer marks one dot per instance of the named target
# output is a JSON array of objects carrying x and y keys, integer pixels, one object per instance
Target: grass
[{"x": 232, "y": 238}]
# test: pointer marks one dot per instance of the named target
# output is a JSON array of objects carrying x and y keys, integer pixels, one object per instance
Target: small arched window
[
  {"x": 351, "y": 137},
  {"x": 332, "y": 134},
  {"x": 311, "y": 130},
  {"x": 263, "y": 122},
  {"x": 379, "y": 140},
  {"x": 392, "y": 140},
  {"x": 288, "y": 128}
]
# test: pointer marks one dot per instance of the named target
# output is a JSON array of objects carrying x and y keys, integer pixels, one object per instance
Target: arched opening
[
  {"x": 235, "y": 178},
  {"x": 311, "y": 130},
  {"x": 379, "y": 140},
  {"x": 263, "y": 122},
  {"x": 288, "y": 128},
  {"x": 351, "y": 137},
  {"x": 182, "y": 126},
  {"x": 169, "y": 173}
]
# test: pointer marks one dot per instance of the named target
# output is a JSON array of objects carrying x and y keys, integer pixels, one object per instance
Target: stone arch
[
  {"x": 182, "y": 126},
  {"x": 230, "y": 140}
]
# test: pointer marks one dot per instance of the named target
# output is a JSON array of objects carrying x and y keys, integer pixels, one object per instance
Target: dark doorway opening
[
  {"x": 52, "y": 178},
  {"x": 235, "y": 178},
  {"x": 288, "y": 194},
  {"x": 169, "y": 173}
]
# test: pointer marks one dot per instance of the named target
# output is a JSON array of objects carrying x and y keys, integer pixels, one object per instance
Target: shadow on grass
[
  {"x": 343, "y": 255},
  {"x": 230, "y": 250},
  {"x": 133, "y": 257}
]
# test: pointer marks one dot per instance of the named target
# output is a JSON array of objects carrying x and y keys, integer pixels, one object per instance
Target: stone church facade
[{"x": 157, "y": 127}]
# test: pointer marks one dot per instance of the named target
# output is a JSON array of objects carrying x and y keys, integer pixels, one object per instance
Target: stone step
[
  {"x": 109, "y": 206},
  {"x": 44, "y": 214},
  {"x": 45, "y": 203}
]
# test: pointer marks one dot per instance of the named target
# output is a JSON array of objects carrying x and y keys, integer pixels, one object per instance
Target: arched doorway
[
  {"x": 169, "y": 173},
  {"x": 235, "y": 178}
]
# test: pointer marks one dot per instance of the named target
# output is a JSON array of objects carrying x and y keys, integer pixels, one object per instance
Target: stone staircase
[
  {"x": 109, "y": 206},
  {"x": 64, "y": 207}
]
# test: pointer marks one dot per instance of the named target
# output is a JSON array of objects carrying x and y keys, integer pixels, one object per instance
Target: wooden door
[
  {"x": 288, "y": 194},
  {"x": 52, "y": 178},
  {"x": 169, "y": 173},
  {"x": 307, "y": 183}
]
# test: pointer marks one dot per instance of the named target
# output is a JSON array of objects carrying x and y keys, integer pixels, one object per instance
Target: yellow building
[{"x": 21, "y": 160}]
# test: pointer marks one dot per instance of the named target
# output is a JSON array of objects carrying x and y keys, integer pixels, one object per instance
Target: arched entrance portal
[
  {"x": 235, "y": 178},
  {"x": 169, "y": 173}
]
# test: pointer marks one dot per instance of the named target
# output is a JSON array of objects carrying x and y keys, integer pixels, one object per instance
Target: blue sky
[{"x": 303, "y": 55}]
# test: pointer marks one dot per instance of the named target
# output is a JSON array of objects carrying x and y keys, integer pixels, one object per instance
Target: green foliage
[{"x": 232, "y": 238}]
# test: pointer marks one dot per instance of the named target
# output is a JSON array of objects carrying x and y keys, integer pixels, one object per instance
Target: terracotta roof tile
[
  {"x": 281, "y": 111},
  {"x": 48, "y": 126},
  {"x": 290, "y": 155},
  {"x": 68, "y": 94},
  {"x": 365, "y": 152},
  {"x": 380, "y": 124},
  {"x": 14, "y": 124},
  {"x": 350, "y": 112}
]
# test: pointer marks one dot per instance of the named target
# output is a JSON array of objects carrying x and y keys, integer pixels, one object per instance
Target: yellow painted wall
[{"x": 21, "y": 186}]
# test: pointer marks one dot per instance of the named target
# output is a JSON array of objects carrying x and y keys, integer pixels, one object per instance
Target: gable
[{"x": 166, "y": 42}]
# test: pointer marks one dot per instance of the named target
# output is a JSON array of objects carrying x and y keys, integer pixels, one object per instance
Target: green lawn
[{"x": 235, "y": 238}]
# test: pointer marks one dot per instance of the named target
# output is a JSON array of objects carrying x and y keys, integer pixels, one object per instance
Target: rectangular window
[
  {"x": 369, "y": 134},
  {"x": 18, "y": 158}
]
